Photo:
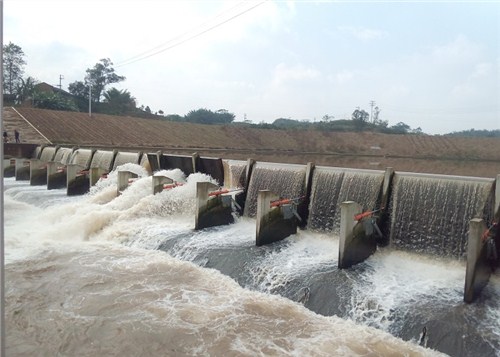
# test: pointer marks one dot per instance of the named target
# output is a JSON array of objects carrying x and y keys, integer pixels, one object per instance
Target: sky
[{"x": 433, "y": 65}]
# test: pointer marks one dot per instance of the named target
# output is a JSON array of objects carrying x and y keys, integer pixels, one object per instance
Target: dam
[{"x": 411, "y": 286}]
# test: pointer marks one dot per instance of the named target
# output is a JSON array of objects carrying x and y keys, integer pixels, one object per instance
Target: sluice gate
[{"x": 446, "y": 216}]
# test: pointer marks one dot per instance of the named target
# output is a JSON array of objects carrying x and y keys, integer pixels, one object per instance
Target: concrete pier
[
  {"x": 212, "y": 211},
  {"x": 22, "y": 171},
  {"x": 123, "y": 180},
  {"x": 9, "y": 167},
  {"x": 357, "y": 242},
  {"x": 273, "y": 223},
  {"x": 303, "y": 206},
  {"x": 38, "y": 172},
  {"x": 478, "y": 268},
  {"x": 383, "y": 216},
  {"x": 159, "y": 181},
  {"x": 56, "y": 177},
  {"x": 76, "y": 181}
]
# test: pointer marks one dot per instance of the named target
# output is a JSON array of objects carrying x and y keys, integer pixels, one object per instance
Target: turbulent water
[{"x": 102, "y": 275}]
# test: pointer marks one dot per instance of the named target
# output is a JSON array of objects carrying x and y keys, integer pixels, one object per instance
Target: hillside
[{"x": 418, "y": 153}]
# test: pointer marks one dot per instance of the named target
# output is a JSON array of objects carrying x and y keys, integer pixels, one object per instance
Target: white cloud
[
  {"x": 344, "y": 76},
  {"x": 362, "y": 33},
  {"x": 285, "y": 74}
]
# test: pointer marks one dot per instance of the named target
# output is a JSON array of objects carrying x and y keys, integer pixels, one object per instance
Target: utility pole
[
  {"x": 89, "y": 82},
  {"x": 372, "y": 103},
  {"x": 90, "y": 99},
  {"x": 61, "y": 77}
]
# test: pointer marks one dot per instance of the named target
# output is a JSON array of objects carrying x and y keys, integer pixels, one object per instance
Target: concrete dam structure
[{"x": 370, "y": 211}]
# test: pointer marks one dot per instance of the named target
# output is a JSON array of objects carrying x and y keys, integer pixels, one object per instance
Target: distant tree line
[
  {"x": 359, "y": 122},
  {"x": 473, "y": 133},
  {"x": 93, "y": 89}
]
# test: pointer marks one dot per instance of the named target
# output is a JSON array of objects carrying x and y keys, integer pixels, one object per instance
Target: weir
[
  {"x": 102, "y": 164},
  {"x": 183, "y": 162},
  {"x": 56, "y": 169},
  {"x": 430, "y": 214},
  {"x": 483, "y": 250},
  {"x": 234, "y": 173},
  {"x": 17, "y": 156},
  {"x": 213, "y": 207},
  {"x": 427, "y": 214},
  {"x": 210, "y": 166},
  {"x": 237, "y": 175},
  {"x": 38, "y": 167},
  {"x": 286, "y": 181},
  {"x": 77, "y": 182},
  {"x": 154, "y": 161},
  {"x": 332, "y": 186}
]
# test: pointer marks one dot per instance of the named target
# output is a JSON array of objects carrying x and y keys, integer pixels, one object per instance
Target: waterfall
[
  {"x": 125, "y": 158},
  {"x": 62, "y": 155},
  {"x": 234, "y": 173},
  {"x": 332, "y": 186},
  {"x": 430, "y": 214},
  {"x": 102, "y": 159},
  {"x": 287, "y": 181},
  {"x": 81, "y": 157},
  {"x": 47, "y": 154}
]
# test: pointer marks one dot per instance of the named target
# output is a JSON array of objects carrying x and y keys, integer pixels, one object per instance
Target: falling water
[
  {"x": 234, "y": 173},
  {"x": 102, "y": 159},
  {"x": 431, "y": 214},
  {"x": 333, "y": 186},
  {"x": 287, "y": 181},
  {"x": 63, "y": 155},
  {"x": 91, "y": 276}
]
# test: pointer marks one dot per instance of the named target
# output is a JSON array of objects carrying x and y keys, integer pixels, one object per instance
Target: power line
[
  {"x": 145, "y": 54},
  {"x": 178, "y": 37}
]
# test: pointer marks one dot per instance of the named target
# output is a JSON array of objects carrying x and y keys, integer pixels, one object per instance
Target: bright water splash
[
  {"x": 399, "y": 280},
  {"x": 101, "y": 215},
  {"x": 300, "y": 255},
  {"x": 128, "y": 285}
]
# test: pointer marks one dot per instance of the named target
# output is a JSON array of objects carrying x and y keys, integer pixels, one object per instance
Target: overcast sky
[{"x": 434, "y": 65}]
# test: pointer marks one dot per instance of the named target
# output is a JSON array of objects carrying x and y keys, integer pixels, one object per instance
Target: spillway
[
  {"x": 430, "y": 214},
  {"x": 395, "y": 291}
]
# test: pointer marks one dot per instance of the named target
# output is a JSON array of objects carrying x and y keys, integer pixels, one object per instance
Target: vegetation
[
  {"x": 26, "y": 91},
  {"x": 54, "y": 101},
  {"x": 13, "y": 67},
  {"x": 472, "y": 133},
  {"x": 119, "y": 102},
  {"x": 205, "y": 116},
  {"x": 95, "y": 82}
]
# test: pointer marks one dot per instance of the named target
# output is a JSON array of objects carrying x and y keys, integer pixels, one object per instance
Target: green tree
[
  {"x": 119, "y": 101},
  {"x": 400, "y": 128},
  {"x": 205, "y": 116},
  {"x": 98, "y": 77},
  {"x": 25, "y": 89},
  {"x": 13, "y": 67},
  {"x": 360, "y": 118},
  {"x": 79, "y": 89},
  {"x": 45, "y": 100}
]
